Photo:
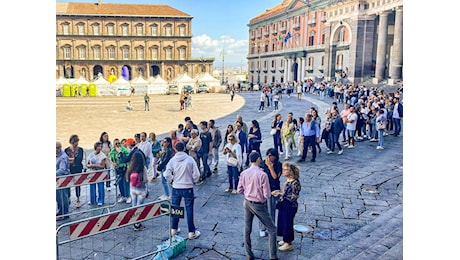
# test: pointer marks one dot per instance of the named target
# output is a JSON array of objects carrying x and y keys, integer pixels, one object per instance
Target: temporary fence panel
[
  {"x": 112, "y": 236},
  {"x": 83, "y": 181}
]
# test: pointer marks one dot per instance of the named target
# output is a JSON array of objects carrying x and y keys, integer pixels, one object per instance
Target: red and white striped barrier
[
  {"x": 67, "y": 181},
  {"x": 114, "y": 220}
]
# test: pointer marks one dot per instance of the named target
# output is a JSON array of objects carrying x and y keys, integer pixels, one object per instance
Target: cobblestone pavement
[{"x": 341, "y": 194}]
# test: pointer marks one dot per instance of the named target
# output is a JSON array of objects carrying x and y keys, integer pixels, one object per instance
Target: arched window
[
  {"x": 110, "y": 29},
  {"x": 139, "y": 29},
  {"x": 111, "y": 52},
  {"x": 95, "y": 29},
  {"x": 182, "y": 52},
  {"x": 154, "y": 53},
  {"x": 140, "y": 53},
  {"x": 154, "y": 29},
  {"x": 65, "y": 28},
  {"x": 125, "y": 51},
  {"x": 81, "y": 28},
  {"x": 168, "y": 51},
  {"x": 124, "y": 29},
  {"x": 82, "y": 52},
  {"x": 182, "y": 30},
  {"x": 97, "y": 52},
  {"x": 168, "y": 29}
]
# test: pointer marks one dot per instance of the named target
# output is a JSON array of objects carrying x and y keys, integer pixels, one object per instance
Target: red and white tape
[
  {"x": 67, "y": 181},
  {"x": 115, "y": 220}
]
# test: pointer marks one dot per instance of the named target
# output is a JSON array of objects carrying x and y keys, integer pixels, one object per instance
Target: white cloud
[{"x": 207, "y": 47}]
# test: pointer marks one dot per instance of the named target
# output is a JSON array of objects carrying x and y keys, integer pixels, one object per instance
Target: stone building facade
[
  {"x": 360, "y": 40},
  {"x": 129, "y": 40}
]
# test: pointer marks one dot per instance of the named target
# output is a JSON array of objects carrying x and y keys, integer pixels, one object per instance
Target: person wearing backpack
[{"x": 136, "y": 175}]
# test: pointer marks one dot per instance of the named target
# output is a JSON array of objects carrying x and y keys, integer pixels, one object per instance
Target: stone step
[{"x": 372, "y": 240}]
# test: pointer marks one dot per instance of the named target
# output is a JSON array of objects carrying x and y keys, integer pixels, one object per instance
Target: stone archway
[{"x": 155, "y": 69}]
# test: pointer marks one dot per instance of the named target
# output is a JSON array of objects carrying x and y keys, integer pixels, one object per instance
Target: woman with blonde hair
[
  {"x": 287, "y": 136},
  {"x": 287, "y": 205}
]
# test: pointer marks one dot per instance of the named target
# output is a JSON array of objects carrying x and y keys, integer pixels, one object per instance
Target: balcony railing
[
  {"x": 323, "y": 19},
  {"x": 296, "y": 26},
  {"x": 283, "y": 29},
  {"x": 312, "y": 22},
  {"x": 274, "y": 32}
]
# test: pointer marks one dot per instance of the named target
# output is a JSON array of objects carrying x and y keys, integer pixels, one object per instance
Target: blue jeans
[
  {"x": 138, "y": 195},
  {"x": 189, "y": 199},
  {"x": 206, "y": 169},
  {"x": 397, "y": 124},
  {"x": 100, "y": 192},
  {"x": 277, "y": 142},
  {"x": 276, "y": 105},
  {"x": 165, "y": 184},
  {"x": 123, "y": 184},
  {"x": 233, "y": 177},
  {"x": 381, "y": 137},
  {"x": 335, "y": 141},
  {"x": 261, "y": 106},
  {"x": 62, "y": 199},
  {"x": 261, "y": 212}
]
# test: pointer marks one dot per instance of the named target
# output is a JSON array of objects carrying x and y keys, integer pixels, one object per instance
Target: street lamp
[{"x": 258, "y": 45}]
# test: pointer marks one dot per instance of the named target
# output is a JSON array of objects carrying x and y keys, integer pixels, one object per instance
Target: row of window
[
  {"x": 283, "y": 25},
  {"x": 309, "y": 65},
  {"x": 125, "y": 52},
  {"x": 280, "y": 43},
  {"x": 124, "y": 29}
]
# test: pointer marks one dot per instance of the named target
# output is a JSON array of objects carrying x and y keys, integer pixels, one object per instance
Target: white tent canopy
[
  {"x": 60, "y": 82},
  {"x": 121, "y": 86},
  {"x": 157, "y": 85},
  {"x": 183, "y": 80},
  {"x": 209, "y": 80},
  {"x": 140, "y": 85},
  {"x": 103, "y": 87},
  {"x": 81, "y": 81}
]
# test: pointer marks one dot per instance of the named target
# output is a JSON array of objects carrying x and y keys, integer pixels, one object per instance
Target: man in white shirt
[{"x": 352, "y": 118}]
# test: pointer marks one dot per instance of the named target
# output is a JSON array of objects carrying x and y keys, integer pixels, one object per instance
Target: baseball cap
[
  {"x": 130, "y": 142},
  {"x": 273, "y": 151}
]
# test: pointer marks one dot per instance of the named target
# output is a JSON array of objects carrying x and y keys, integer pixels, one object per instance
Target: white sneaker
[
  {"x": 329, "y": 152},
  {"x": 128, "y": 200},
  {"x": 340, "y": 152},
  {"x": 286, "y": 247},
  {"x": 351, "y": 146},
  {"x": 109, "y": 189},
  {"x": 175, "y": 232},
  {"x": 122, "y": 199},
  {"x": 163, "y": 197},
  {"x": 345, "y": 145},
  {"x": 194, "y": 235},
  {"x": 263, "y": 233}
]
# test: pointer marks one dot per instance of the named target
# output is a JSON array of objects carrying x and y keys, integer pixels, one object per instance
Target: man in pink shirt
[{"x": 255, "y": 187}]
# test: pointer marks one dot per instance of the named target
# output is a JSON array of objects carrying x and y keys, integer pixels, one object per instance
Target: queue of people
[{"x": 190, "y": 155}]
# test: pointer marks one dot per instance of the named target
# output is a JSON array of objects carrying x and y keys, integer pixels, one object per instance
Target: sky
[{"x": 216, "y": 25}]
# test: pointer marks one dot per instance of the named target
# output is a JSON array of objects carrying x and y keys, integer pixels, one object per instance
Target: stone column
[
  {"x": 381, "y": 48},
  {"x": 286, "y": 67},
  {"x": 397, "y": 55},
  {"x": 299, "y": 69}
]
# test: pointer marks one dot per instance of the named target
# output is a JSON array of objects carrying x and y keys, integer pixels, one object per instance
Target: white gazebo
[
  {"x": 122, "y": 86},
  {"x": 140, "y": 85},
  {"x": 157, "y": 85},
  {"x": 209, "y": 80},
  {"x": 103, "y": 87},
  {"x": 60, "y": 82},
  {"x": 184, "y": 80}
]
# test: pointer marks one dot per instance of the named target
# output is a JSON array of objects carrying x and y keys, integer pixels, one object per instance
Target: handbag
[
  {"x": 273, "y": 131},
  {"x": 381, "y": 125},
  {"x": 232, "y": 161}
]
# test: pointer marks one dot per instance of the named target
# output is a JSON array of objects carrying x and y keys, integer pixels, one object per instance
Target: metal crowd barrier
[
  {"x": 107, "y": 236},
  {"x": 85, "y": 179}
]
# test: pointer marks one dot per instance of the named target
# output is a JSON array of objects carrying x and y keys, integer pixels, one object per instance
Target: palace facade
[
  {"x": 360, "y": 40},
  {"x": 129, "y": 40}
]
